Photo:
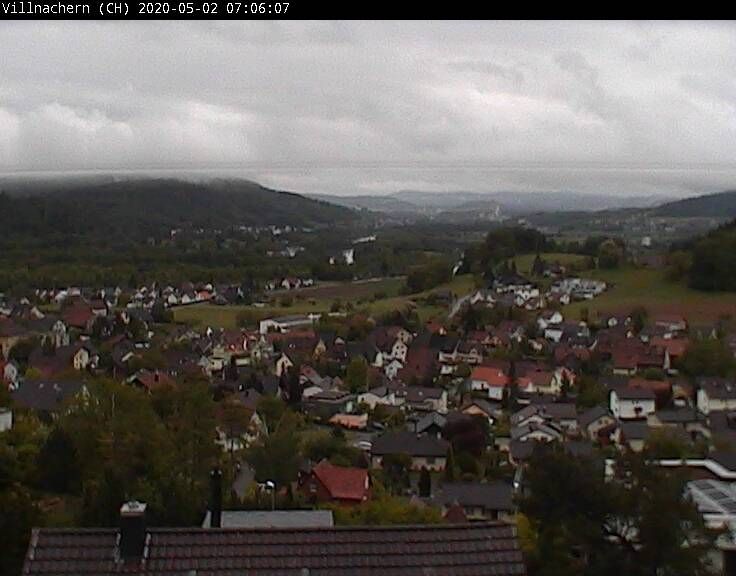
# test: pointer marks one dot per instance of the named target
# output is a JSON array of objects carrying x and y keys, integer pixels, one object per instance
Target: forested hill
[
  {"x": 720, "y": 205},
  {"x": 154, "y": 206}
]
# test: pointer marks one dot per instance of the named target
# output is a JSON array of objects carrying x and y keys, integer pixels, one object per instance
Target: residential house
[
  {"x": 235, "y": 435},
  {"x": 10, "y": 334},
  {"x": 10, "y": 372},
  {"x": 287, "y": 323},
  {"x": 424, "y": 399},
  {"x": 6, "y": 419},
  {"x": 349, "y": 421},
  {"x": 716, "y": 394},
  {"x": 420, "y": 366},
  {"x": 541, "y": 432},
  {"x": 634, "y": 434},
  {"x": 149, "y": 380},
  {"x": 382, "y": 395},
  {"x": 672, "y": 323},
  {"x": 431, "y": 423},
  {"x": 46, "y": 397},
  {"x": 324, "y": 405},
  {"x": 562, "y": 415},
  {"x": 490, "y": 380},
  {"x": 426, "y": 451},
  {"x": 327, "y": 483},
  {"x": 483, "y": 408},
  {"x": 631, "y": 403},
  {"x": 479, "y": 500},
  {"x": 594, "y": 421},
  {"x": 283, "y": 364}
]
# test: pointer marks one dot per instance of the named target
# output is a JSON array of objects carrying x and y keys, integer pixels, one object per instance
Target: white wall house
[{"x": 631, "y": 403}]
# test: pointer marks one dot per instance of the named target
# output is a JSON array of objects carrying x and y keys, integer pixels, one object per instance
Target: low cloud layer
[{"x": 363, "y": 108}]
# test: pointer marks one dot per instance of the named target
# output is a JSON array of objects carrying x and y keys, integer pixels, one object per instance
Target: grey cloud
[{"x": 358, "y": 107}]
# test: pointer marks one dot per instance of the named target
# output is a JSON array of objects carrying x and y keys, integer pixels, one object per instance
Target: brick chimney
[
  {"x": 216, "y": 498},
  {"x": 132, "y": 530}
]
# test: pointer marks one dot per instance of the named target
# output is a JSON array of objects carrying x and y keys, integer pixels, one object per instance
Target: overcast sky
[{"x": 363, "y": 108}]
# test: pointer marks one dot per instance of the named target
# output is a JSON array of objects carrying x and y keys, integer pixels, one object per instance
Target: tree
[
  {"x": 294, "y": 387},
  {"x": 565, "y": 386},
  {"x": 427, "y": 276},
  {"x": 637, "y": 524},
  {"x": 511, "y": 392},
  {"x": 57, "y": 464},
  {"x": 270, "y": 409},
  {"x": 234, "y": 419},
  {"x": 356, "y": 376},
  {"x": 19, "y": 512},
  {"x": 610, "y": 254},
  {"x": 396, "y": 468},
  {"x": 386, "y": 510},
  {"x": 275, "y": 457},
  {"x": 450, "y": 465},
  {"x": 666, "y": 443},
  {"x": 639, "y": 318},
  {"x": 590, "y": 392},
  {"x": 425, "y": 483},
  {"x": 469, "y": 434},
  {"x": 708, "y": 358}
]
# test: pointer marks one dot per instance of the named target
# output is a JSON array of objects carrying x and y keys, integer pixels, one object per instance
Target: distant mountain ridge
[
  {"x": 718, "y": 205},
  {"x": 150, "y": 206},
  {"x": 504, "y": 203}
]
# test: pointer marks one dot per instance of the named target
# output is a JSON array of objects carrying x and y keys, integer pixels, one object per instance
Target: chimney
[
  {"x": 216, "y": 498},
  {"x": 132, "y": 530}
]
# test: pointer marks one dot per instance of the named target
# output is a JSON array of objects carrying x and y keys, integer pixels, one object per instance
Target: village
[{"x": 449, "y": 411}]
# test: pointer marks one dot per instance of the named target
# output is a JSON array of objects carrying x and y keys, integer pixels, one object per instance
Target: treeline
[
  {"x": 503, "y": 244},
  {"x": 714, "y": 260}
]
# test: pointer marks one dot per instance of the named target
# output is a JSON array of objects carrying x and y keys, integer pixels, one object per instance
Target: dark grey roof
[
  {"x": 718, "y": 388},
  {"x": 428, "y": 420},
  {"x": 405, "y": 442},
  {"x": 591, "y": 415},
  {"x": 635, "y": 430},
  {"x": 681, "y": 416},
  {"x": 45, "y": 396},
  {"x": 490, "y": 495},
  {"x": 725, "y": 459},
  {"x": 635, "y": 394},
  {"x": 422, "y": 393},
  {"x": 439, "y": 549}
]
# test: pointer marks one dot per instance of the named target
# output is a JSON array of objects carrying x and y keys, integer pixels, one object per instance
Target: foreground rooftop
[{"x": 459, "y": 550}]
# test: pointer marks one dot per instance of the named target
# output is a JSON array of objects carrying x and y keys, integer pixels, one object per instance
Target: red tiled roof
[
  {"x": 151, "y": 380},
  {"x": 493, "y": 376},
  {"x": 343, "y": 483},
  {"x": 675, "y": 346},
  {"x": 445, "y": 549},
  {"x": 78, "y": 316}
]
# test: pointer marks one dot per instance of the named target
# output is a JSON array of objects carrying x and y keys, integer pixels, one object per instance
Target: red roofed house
[
  {"x": 662, "y": 389},
  {"x": 78, "y": 315},
  {"x": 674, "y": 348},
  {"x": 630, "y": 357},
  {"x": 671, "y": 322},
  {"x": 329, "y": 483},
  {"x": 490, "y": 380},
  {"x": 420, "y": 366},
  {"x": 149, "y": 380}
]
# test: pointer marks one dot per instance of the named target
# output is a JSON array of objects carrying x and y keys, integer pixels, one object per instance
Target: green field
[
  {"x": 631, "y": 287},
  {"x": 319, "y": 299}
]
